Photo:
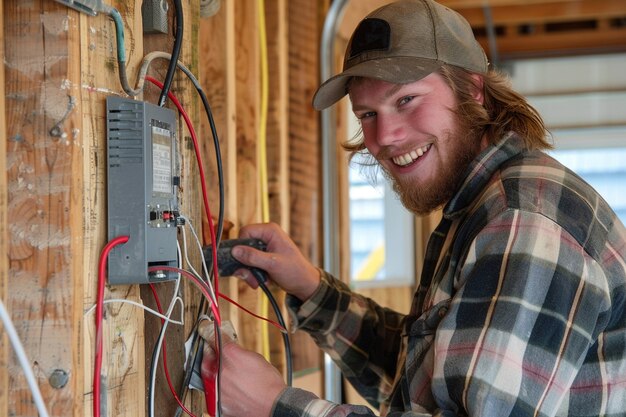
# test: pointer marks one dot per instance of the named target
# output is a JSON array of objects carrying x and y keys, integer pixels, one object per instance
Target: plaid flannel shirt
[{"x": 520, "y": 309}]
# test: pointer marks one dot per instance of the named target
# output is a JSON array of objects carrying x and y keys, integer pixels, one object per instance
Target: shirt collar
[{"x": 480, "y": 171}]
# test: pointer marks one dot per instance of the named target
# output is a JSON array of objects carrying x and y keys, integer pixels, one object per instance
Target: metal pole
[
  {"x": 491, "y": 35},
  {"x": 332, "y": 375}
]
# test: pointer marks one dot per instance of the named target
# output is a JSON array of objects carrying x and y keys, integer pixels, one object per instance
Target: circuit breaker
[{"x": 142, "y": 184}]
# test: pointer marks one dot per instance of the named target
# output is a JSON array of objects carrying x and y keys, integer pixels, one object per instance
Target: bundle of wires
[{"x": 211, "y": 295}]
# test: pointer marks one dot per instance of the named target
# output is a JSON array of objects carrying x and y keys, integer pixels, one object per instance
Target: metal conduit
[
  {"x": 491, "y": 35},
  {"x": 330, "y": 208}
]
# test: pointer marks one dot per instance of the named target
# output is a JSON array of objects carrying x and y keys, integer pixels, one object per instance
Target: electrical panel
[{"x": 142, "y": 183}]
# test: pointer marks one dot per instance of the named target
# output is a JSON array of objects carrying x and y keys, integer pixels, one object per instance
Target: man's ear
[{"x": 478, "y": 90}]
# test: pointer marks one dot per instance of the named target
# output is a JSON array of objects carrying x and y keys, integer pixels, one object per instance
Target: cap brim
[{"x": 399, "y": 70}]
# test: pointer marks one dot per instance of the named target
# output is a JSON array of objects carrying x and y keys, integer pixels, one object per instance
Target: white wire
[
  {"x": 23, "y": 359},
  {"x": 207, "y": 280},
  {"x": 189, "y": 265},
  {"x": 159, "y": 342},
  {"x": 148, "y": 309},
  {"x": 204, "y": 265},
  {"x": 147, "y": 61}
]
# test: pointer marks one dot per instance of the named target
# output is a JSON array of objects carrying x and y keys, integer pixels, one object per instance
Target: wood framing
[
  {"x": 4, "y": 264},
  {"x": 534, "y": 28},
  {"x": 305, "y": 26},
  {"x": 60, "y": 66}
]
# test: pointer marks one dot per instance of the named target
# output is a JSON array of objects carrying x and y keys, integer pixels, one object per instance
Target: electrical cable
[
  {"x": 261, "y": 278},
  {"x": 99, "y": 317},
  {"x": 262, "y": 135},
  {"x": 197, "y": 281},
  {"x": 158, "y": 344},
  {"x": 262, "y": 158},
  {"x": 203, "y": 260},
  {"x": 280, "y": 327},
  {"x": 161, "y": 340},
  {"x": 180, "y": 322},
  {"x": 206, "y": 291},
  {"x": 178, "y": 41},
  {"x": 114, "y": 14},
  {"x": 165, "y": 368},
  {"x": 220, "y": 223},
  {"x": 215, "y": 235},
  {"x": 18, "y": 348},
  {"x": 192, "y": 352}
]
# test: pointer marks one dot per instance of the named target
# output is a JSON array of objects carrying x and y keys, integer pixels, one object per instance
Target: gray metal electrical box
[{"x": 142, "y": 186}]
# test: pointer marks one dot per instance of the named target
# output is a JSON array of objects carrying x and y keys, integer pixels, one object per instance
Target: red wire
[
  {"x": 202, "y": 178},
  {"x": 97, "y": 369},
  {"x": 209, "y": 385},
  {"x": 165, "y": 368},
  {"x": 273, "y": 323},
  {"x": 199, "y": 283},
  {"x": 205, "y": 198}
]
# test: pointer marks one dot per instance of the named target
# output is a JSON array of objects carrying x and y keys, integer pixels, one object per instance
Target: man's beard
[{"x": 423, "y": 199}]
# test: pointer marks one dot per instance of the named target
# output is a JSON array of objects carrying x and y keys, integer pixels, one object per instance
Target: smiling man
[
  {"x": 422, "y": 146},
  {"x": 520, "y": 308}
]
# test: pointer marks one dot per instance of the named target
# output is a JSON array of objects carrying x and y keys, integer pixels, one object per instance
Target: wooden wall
[{"x": 59, "y": 68}]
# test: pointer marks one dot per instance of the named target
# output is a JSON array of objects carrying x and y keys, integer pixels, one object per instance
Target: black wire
[
  {"x": 218, "y": 158},
  {"x": 261, "y": 278},
  {"x": 178, "y": 41},
  {"x": 203, "y": 307}
]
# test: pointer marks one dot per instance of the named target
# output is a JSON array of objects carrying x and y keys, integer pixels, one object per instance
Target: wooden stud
[{"x": 4, "y": 224}]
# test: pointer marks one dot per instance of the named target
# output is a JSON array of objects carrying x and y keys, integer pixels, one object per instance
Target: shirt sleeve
[
  {"x": 295, "y": 402},
  {"x": 361, "y": 337}
]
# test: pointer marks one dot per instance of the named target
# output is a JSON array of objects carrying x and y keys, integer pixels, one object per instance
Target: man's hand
[
  {"x": 249, "y": 384},
  {"x": 283, "y": 261}
]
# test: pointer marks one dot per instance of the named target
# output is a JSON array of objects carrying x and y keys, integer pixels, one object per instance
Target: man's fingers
[
  {"x": 206, "y": 330},
  {"x": 266, "y": 261}
]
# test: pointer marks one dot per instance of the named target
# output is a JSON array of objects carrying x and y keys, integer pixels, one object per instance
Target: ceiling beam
[
  {"x": 546, "y": 44},
  {"x": 545, "y": 12},
  {"x": 527, "y": 28}
]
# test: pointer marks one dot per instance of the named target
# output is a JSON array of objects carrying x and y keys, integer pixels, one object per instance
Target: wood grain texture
[
  {"x": 247, "y": 85},
  {"x": 4, "y": 224},
  {"x": 305, "y": 28},
  {"x": 43, "y": 166},
  {"x": 123, "y": 364},
  {"x": 190, "y": 205}
]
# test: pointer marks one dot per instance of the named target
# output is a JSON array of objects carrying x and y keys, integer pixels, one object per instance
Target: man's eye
[
  {"x": 366, "y": 115},
  {"x": 405, "y": 100}
]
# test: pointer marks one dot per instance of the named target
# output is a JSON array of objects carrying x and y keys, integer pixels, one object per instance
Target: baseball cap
[{"x": 403, "y": 42}]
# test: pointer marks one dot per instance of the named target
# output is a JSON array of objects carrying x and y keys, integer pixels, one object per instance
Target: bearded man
[{"x": 520, "y": 309}]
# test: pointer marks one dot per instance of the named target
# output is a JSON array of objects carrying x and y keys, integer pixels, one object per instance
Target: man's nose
[{"x": 389, "y": 130}]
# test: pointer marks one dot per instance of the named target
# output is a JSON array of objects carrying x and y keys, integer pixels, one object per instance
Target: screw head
[{"x": 58, "y": 379}]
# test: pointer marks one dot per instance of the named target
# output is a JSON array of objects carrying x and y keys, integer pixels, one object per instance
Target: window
[
  {"x": 582, "y": 101},
  {"x": 382, "y": 248},
  {"x": 604, "y": 169},
  {"x": 381, "y": 234}
]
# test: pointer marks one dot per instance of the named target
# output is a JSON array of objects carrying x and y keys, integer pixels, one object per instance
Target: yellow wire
[{"x": 262, "y": 162}]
